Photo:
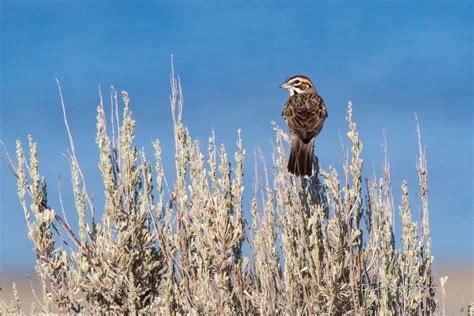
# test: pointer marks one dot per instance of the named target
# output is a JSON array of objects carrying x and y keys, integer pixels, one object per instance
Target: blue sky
[{"x": 391, "y": 59}]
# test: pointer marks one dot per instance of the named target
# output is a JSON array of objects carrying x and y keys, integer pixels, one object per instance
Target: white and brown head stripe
[{"x": 298, "y": 84}]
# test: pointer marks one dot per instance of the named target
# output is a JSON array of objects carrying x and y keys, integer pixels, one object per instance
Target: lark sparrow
[{"x": 304, "y": 113}]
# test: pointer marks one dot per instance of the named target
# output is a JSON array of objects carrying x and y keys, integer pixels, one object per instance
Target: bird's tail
[{"x": 301, "y": 157}]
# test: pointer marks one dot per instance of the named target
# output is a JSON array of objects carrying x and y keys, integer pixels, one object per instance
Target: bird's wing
[{"x": 305, "y": 115}]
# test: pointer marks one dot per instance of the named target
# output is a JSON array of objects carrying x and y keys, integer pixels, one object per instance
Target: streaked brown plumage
[{"x": 304, "y": 113}]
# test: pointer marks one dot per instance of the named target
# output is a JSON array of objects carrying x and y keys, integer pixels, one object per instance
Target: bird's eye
[{"x": 297, "y": 81}]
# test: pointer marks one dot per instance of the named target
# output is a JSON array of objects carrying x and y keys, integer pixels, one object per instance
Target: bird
[{"x": 304, "y": 113}]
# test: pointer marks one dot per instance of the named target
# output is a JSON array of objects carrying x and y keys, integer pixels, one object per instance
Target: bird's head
[{"x": 298, "y": 84}]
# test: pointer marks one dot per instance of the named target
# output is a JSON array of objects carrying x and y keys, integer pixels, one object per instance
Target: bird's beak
[{"x": 285, "y": 85}]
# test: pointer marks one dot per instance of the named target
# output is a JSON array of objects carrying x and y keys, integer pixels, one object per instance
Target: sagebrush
[{"x": 319, "y": 245}]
